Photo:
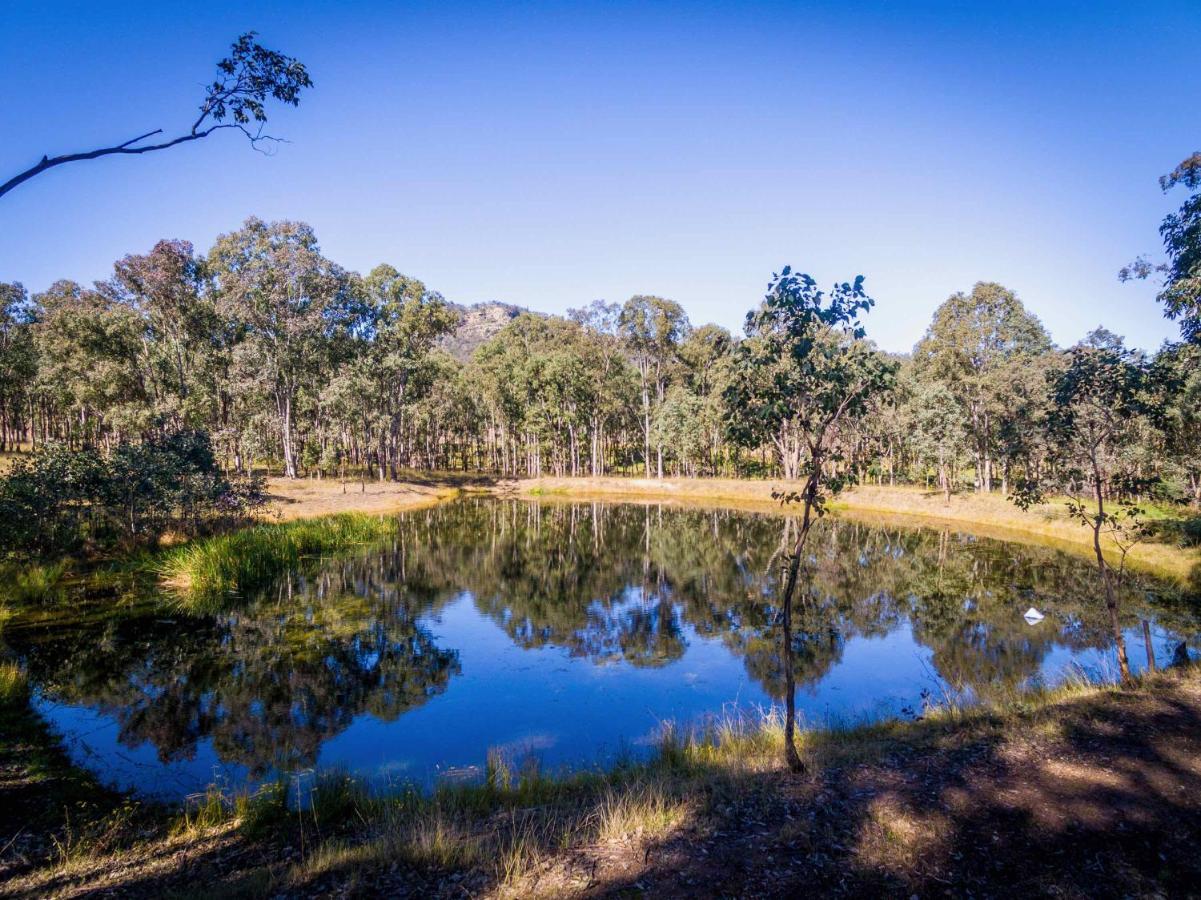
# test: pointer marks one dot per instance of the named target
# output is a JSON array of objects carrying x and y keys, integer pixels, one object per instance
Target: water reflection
[
  {"x": 266, "y": 684},
  {"x": 685, "y": 597}
]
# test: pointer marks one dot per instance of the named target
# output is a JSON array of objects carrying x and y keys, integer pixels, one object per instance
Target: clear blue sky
[{"x": 550, "y": 154}]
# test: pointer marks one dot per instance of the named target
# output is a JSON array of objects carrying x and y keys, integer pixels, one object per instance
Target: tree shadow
[
  {"x": 1099, "y": 799},
  {"x": 1094, "y": 796}
]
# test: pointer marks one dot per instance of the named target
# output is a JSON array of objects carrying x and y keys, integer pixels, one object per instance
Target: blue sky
[{"x": 550, "y": 154}]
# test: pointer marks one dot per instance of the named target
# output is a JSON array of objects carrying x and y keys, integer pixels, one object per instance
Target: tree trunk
[
  {"x": 791, "y": 758},
  {"x": 1149, "y": 646},
  {"x": 1111, "y": 597},
  {"x": 286, "y": 423}
]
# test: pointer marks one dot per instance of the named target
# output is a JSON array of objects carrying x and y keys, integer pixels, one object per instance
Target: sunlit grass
[
  {"x": 511, "y": 832},
  {"x": 647, "y": 811},
  {"x": 32, "y": 582},
  {"x": 251, "y": 557},
  {"x": 14, "y": 688}
]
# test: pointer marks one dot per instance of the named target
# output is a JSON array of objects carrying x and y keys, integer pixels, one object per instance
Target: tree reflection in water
[{"x": 272, "y": 678}]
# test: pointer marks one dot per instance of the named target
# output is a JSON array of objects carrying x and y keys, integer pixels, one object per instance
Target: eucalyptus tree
[
  {"x": 89, "y": 377},
  {"x": 601, "y": 322},
  {"x": 941, "y": 433},
  {"x": 291, "y": 309},
  {"x": 446, "y": 415},
  {"x": 167, "y": 289},
  {"x": 707, "y": 358},
  {"x": 680, "y": 423},
  {"x": 653, "y": 329},
  {"x": 18, "y": 363},
  {"x": 970, "y": 346},
  {"x": 805, "y": 367},
  {"x": 1095, "y": 405},
  {"x": 235, "y": 100},
  {"x": 1180, "y": 293},
  {"x": 404, "y": 320},
  {"x": 1177, "y": 371}
]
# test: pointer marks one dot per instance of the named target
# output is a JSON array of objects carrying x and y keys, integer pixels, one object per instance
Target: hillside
[{"x": 480, "y": 322}]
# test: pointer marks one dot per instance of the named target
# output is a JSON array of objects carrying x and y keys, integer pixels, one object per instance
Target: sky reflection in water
[{"x": 567, "y": 631}]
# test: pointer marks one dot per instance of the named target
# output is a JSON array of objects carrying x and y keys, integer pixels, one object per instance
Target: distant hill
[{"x": 479, "y": 323}]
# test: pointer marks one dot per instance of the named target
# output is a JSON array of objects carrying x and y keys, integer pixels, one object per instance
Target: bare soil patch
[{"x": 303, "y": 498}]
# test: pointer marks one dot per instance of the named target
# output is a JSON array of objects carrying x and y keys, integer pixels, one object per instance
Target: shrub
[{"x": 60, "y": 499}]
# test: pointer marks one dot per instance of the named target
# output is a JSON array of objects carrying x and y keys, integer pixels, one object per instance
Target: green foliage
[
  {"x": 803, "y": 371},
  {"x": 283, "y": 357},
  {"x": 58, "y": 499},
  {"x": 1181, "y": 233},
  {"x": 248, "y": 76},
  {"x": 237, "y": 562},
  {"x": 985, "y": 350},
  {"x": 294, "y": 313}
]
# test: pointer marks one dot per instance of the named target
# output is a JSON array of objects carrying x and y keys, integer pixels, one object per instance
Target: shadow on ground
[
  {"x": 1097, "y": 795},
  {"x": 1104, "y": 800}
]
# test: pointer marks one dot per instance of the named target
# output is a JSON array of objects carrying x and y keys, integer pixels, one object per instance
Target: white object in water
[{"x": 1033, "y": 616}]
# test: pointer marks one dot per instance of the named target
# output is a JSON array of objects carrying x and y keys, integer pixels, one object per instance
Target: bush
[{"x": 61, "y": 499}]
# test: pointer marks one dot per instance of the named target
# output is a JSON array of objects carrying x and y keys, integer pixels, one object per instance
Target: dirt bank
[{"x": 305, "y": 498}]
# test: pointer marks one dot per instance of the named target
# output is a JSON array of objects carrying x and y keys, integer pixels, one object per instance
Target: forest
[
  {"x": 284, "y": 610},
  {"x": 284, "y": 358}
]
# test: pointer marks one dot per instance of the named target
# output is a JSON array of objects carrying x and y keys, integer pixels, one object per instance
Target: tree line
[{"x": 282, "y": 355}]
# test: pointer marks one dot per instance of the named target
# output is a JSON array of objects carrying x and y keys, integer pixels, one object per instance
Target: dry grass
[
  {"x": 14, "y": 689},
  {"x": 711, "y": 809},
  {"x": 990, "y": 515}
]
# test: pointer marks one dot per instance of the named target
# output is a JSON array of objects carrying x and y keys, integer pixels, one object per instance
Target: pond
[{"x": 564, "y": 632}]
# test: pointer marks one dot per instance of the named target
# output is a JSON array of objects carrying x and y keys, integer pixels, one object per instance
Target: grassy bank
[
  {"x": 988, "y": 514},
  {"x": 901, "y": 806},
  {"x": 251, "y": 557}
]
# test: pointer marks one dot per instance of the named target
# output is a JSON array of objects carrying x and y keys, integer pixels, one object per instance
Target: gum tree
[
  {"x": 18, "y": 362},
  {"x": 653, "y": 329},
  {"x": 405, "y": 319},
  {"x": 1181, "y": 233},
  {"x": 973, "y": 346},
  {"x": 805, "y": 368},
  {"x": 1178, "y": 373},
  {"x": 1094, "y": 407},
  {"x": 290, "y": 308},
  {"x": 236, "y": 99},
  {"x": 940, "y": 435}
]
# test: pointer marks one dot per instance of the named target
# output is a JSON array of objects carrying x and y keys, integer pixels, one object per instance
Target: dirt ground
[
  {"x": 1097, "y": 798},
  {"x": 1096, "y": 795},
  {"x": 303, "y": 498}
]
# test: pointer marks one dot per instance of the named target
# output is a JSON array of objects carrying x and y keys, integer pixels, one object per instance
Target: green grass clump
[
  {"x": 14, "y": 689},
  {"x": 31, "y": 582},
  {"x": 252, "y": 557}
]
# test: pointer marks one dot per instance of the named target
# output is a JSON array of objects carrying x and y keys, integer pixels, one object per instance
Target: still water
[{"x": 567, "y": 632}]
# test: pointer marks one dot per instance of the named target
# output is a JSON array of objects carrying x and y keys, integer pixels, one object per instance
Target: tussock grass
[
  {"x": 14, "y": 688},
  {"x": 31, "y": 583},
  {"x": 649, "y": 810},
  {"x": 251, "y": 557}
]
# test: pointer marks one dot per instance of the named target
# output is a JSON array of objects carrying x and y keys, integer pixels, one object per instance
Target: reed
[{"x": 241, "y": 561}]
